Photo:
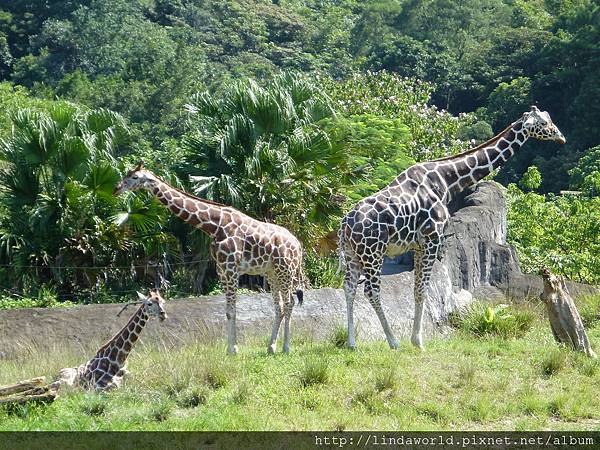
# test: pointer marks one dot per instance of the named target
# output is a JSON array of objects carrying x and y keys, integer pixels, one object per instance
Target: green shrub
[
  {"x": 589, "y": 310},
  {"x": 554, "y": 361},
  {"x": 161, "y": 410},
  {"x": 339, "y": 336},
  {"x": 323, "y": 272},
  {"x": 386, "y": 380},
  {"x": 589, "y": 367},
  {"x": 315, "y": 371},
  {"x": 506, "y": 321},
  {"x": 94, "y": 405},
  {"x": 369, "y": 398},
  {"x": 46, "y": 299},
  {"x": 215, "y": 375},
  {"x": 193, "y": 397},
  {"x": 241, "y": 394}
]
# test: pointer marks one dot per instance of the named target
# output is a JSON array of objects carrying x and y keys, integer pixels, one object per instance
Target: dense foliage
[
  {"x": 561, "y": 232},
  {"x": 60, "y": 222},
  {"x": 290, "y": 110},
  {"x": 262, "y": 150}
]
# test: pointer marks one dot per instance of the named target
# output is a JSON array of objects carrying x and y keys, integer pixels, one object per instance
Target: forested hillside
[{"x": 289, "y": 110}]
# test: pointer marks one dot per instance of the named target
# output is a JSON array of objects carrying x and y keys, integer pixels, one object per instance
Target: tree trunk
[{"x": 565, "y": 321}]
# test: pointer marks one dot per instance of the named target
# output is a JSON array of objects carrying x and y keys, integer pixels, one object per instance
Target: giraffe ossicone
[
  {"x": 411, "y": 214},
  {"x": 107, "y": 368},
  {"x": 240, "y": 245}
]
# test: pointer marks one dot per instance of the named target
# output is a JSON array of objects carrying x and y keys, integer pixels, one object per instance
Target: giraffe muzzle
[{"x": 560, "y": 139}]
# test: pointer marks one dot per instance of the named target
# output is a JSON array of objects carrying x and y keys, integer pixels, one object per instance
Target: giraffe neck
[
  {"x": 466, "y": 169},
  {"x": 202, "y": 214},
  {"x": 118, "y": 348}
]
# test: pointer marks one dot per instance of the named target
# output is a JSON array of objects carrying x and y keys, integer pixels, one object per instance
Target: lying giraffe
[
  {"x": 241, "y": 245},
  {"x": 411, "y": 214},
  {"x": 107, "y": 368}
]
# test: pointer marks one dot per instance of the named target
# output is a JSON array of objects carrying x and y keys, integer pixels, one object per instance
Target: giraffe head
[
  {"x": 154, "y": 304},
  {"x": 137, "y": 178},
  {"x": 538, "y": 124}
]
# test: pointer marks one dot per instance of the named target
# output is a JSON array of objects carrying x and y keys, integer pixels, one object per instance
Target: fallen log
[
  {"x": 21, "y": 386},
  {"x": 35, "y": 390},
  {"x": 565, "y": 321}
]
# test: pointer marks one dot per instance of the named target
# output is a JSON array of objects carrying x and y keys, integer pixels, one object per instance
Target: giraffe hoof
[
  {"x": 286, "y": 350},
  {"x": 271, "y": 349},
  {"x": 418, "y": 343},
  {"x": 233, "y": 350},
  {"x": 394, "y": 345}
]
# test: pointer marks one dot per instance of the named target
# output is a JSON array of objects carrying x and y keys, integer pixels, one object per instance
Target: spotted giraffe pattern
[
  {"x": 241, "y": 245},
  {"x": 107, "y": 368},
  {"x": 411, "y": 213}
]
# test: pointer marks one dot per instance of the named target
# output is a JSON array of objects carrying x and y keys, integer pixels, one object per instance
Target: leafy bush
[
  {"x": 506, "y": 321},
  {"x": 560, "y": 232},
  {"x": 429, "y": 132},
  {"x": 42, "y": 301},
  {"x": 323, "y": 272}
]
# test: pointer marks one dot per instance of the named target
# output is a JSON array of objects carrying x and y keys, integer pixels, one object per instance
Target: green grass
[
  {"x": 503, "y": 320},
  {"x": 464, "y": 381},
  {"x": 589, "y": 309}
]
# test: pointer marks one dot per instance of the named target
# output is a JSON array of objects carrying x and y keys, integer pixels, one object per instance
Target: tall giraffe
[
  {"x": 411, "y": 214},
  {"x": 107, "y": 368},
  {"x": 241, "y": 245}
]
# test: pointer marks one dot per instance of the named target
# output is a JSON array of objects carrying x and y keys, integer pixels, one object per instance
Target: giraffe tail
[
  {"x": 303, "y": 283},
  {"x": 300, "y": 295}
]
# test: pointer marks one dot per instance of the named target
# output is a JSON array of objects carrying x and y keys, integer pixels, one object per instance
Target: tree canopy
[{"x": 289, "y": 110}]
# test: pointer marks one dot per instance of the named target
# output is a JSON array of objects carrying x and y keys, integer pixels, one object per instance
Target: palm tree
[
  {"x": 58, "y": 218},
  {"x": 261, "y": 149}
]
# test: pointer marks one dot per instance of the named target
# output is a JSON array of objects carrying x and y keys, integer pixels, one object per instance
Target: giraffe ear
[
  {"x": 534, "y": 108},
  {"x": 140, "y": 166},
  {"x": 141, "y": 296}
]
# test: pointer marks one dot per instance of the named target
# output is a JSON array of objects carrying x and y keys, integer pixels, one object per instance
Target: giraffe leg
[
  {"x": 288, "y": 307},
  {"x": 350, "y": 285},
  {"x": 277, "y": 300},
  {"x": 372, "y": 287},
  {"x": 230, "y": 286},
  {"x": 424, "y": 259}
]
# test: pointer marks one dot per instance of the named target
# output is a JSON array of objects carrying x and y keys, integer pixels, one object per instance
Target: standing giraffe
[
  {"x": 107, "y": 368},
  {"x": 241, "y": 245},
  {"x": 411, "y": 214}
]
